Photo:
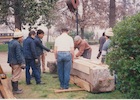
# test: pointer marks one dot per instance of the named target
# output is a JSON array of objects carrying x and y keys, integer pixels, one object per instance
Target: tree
[
  {"x": 25, "y": 11},
  {"x": 93, "y": 12},
  {"x": 112, "y": 13}
]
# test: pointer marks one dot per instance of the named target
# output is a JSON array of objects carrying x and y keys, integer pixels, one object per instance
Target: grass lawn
[
  {"x": 3, "y": 47},
  {"x": 47, "y": 91}
]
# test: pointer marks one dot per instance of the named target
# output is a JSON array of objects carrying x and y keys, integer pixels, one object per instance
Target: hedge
[{"x": 124, "y": 57}]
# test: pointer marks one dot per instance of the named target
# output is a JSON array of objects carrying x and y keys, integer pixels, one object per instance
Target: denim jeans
[
  {"x": 30, "y": 63},
  {"x": 64, "y": 63},
  {"x": 87, "y": 54},
  {"x": 38, "y": 65}
]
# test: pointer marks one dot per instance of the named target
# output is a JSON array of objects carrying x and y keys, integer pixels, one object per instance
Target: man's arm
[
  {"x": 41, "y": 46},
  {"x": 81, "y": 50},
  {"x": 55, "y": 52}
]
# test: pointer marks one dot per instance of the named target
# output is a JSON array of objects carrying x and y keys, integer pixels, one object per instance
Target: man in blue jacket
[
  {"x": 108, "y": 34},
  {"x": 40, "y": 47},
  {"x": 16, "y": 59},
  {"x": 31, "y": 58}
]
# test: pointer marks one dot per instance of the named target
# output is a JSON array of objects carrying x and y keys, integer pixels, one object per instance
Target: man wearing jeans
[
  {"x": 31, "y": 58},
  {"x": 64, "y": 54}
]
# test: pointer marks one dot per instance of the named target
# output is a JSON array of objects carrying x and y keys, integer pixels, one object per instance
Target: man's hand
[
  {"x": 76, "y": 57},
  {"x": 36, "y": 61},
  {"x": 10, "y": 65}
]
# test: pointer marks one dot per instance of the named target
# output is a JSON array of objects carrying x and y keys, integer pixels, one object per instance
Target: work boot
[
  {"x": 15, "y": 88},
  {"x": 40, "y": 83}
]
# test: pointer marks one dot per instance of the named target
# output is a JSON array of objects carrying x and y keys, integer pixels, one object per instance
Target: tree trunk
[
  {"x": 124, "y": 10},
  {"x": 82, "y": 32},
  {"x": 48, "y": 35},
  {"x": 17, "y": 22},
  {"x": 112, "y": 15},
  {"x": 17, "y": 7}
]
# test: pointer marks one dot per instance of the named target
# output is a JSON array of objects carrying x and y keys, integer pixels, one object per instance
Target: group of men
[
  {"x": 25, "y": 56},
  {"x": 28, "y": 55}
]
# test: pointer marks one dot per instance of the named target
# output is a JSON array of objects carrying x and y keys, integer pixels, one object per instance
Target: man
[
  {"x": 31, "y": 58},
  {"x": 83, "y": 47},
  {"x": 42, "y": 56},
  {"x": 101, "y": 42},
  {"x": 40, "y": 47},
  {"x": 108, "y": 35},
  {"x": 16, "y": 59},
  {"x": 64, "y": 54}
]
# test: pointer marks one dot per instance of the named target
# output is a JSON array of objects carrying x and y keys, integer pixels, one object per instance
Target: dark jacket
[
  {"x": 15, "y": 53},
  {"x": 39, "y": 46},
  {"x": 29, "y": 48},
  {"x": 101, "y": 42}
]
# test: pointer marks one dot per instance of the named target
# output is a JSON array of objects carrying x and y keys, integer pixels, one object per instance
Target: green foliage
[
  {"x": 50, "y": 45},
  {"x": 125, "y": 56},
  {"x": 92, "y": 42},
  {"x": 3, "y": 47},
  {"x": 3, "y": 11},
  {"x": 89, "y": 35},
  {"x": 28, "y": 11}
]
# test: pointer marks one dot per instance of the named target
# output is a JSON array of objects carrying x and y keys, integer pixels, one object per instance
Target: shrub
[
  {"x": 89, "y": 35},
  {"x": 50, "y": 45},
  {"x": 3, "y": 47},
  {"x": 93, "y": 42},
  {"x": 125, "y": 56}
]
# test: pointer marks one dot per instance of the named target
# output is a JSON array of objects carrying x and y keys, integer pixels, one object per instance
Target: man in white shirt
[{"x": 64, "y": 54}]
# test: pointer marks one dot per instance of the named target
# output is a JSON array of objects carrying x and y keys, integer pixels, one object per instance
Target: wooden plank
[
  {"x": 92, "y": 76},
  {"x": 82, "y": 66},
  {"x": 96, "y": 64},
  {"x": 6, "y": 90},
  {"x": 82, "y": 83},
  {"x": 3, "y": 93},
  {"x": 69, "y": 90},
  {"x": 1, "y": 71},
  {"x": 71, "y": 79}
]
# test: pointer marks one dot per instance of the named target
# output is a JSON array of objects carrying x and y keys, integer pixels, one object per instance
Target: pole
[{"x": 77, "y": 20}]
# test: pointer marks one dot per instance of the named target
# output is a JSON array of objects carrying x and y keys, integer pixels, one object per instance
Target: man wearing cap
[
  {"x": 83, "y": 47},
  {"x": 16, "y": 59},
  {"x": 108, "y": 35},
  {"x": 64, "y": 54}
]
